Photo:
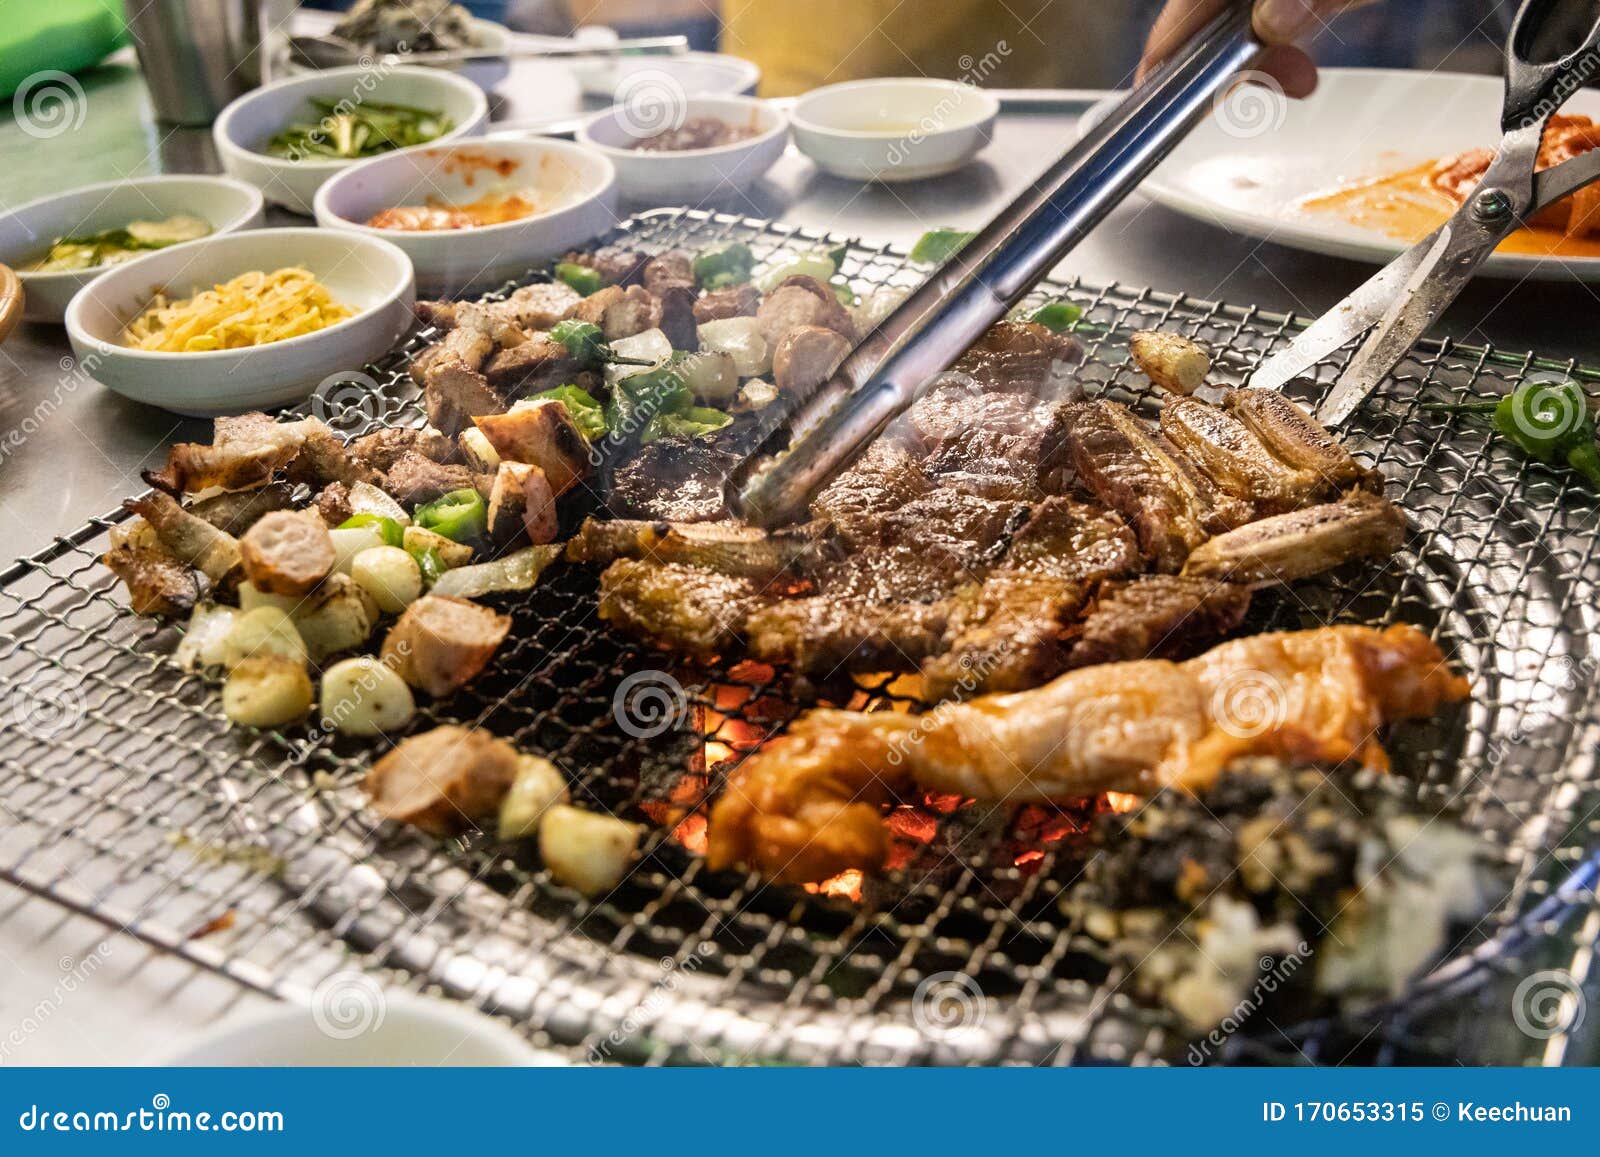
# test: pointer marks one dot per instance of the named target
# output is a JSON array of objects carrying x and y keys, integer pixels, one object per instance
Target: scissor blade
[
  {"x": 1565, "y": 179},
  {"x": 1461, "y": 245},
  {"x": 1346, "y": 321}
]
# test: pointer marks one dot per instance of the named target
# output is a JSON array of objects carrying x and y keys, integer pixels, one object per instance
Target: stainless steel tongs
[
  {"x": 1407, "y": 296},
  {"x": 994, "y": 271}
]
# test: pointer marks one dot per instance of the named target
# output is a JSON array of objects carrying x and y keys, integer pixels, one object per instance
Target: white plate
[
  {"x": 575, "y": 186},
  {"x": 367, "y": 273},
  {"x": 1248, "y": 166}
]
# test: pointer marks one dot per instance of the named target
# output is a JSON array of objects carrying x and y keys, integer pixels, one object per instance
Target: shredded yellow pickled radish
[{"x": 253, "y": 309}]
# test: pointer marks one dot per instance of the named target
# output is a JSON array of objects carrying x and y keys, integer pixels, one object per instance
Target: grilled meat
[
  {"x": 802, "y": 301},
  {"x": 1142, "y": 477},
  {"x": 676, "y": 479},
  {"x": 245, "y": 451},
  {"x": 687, "y": 608},
  {"x": 332, "y": 503},
  {"x": 614, "y": 264},
  {"x": 543, "y": 434},
  {"x": 884, "y": 478},
  {"x": 521, "y": 502},
  {"x": 1024, "y": 356},
  {"x": 413, "y": 479},
  {"x": 819, "y": 635},
  {"x": 677, "y": 317},
  {"x": 1157, "y": 616},
  {"x": 443, "y": 780},
  {"x": 234, "y": 511},
  {"x": 925, "y": 549},
  {"x": 1299, "y": 439},
  {"x": 673, "y": 268},
  {"x": 728, "y": 547},
  {"x": 157, "y": 583},
  {"x": 287, "y": 552},
  {"x": 735, "y": 301},
  {"x": 1235, "y": 459},
  {"x": 530, "y": 308},
  {"x": 620, "y": 312},
  {"x": 381, "y": 449},
  {"x": 450, "y": 374},
  {"x": 1294, "y": 546},
  {"x": 539, "y": 363},
  {"x": 188, "y": 538},
  {"x": 809, "y": 805},
  {"x": 806, "y": 356},
  {"x": 440, "y": 643}
]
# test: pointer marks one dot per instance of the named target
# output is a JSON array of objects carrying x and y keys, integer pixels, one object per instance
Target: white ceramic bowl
[
  {"x": 484, "y": 72},
  {"x": 365, "y": 272},
  {"x": 359, "y": 1024},
  {"x": 894, "y": 129},
  {"x": 692, "y": 175},
  {"x": 27, "y": 231},
  {"x": 576, "y": 186},
  {"x": 246, "y": 125}
]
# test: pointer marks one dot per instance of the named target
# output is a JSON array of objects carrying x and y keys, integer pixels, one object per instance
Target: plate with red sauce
[{"x": 1372, "y": 162}]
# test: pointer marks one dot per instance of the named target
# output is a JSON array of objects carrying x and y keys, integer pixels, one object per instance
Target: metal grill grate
[{"x": 126, "y": 795}]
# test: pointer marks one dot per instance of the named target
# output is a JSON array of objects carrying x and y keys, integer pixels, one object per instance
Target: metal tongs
[
  {"x": 1409, "y": 294},
  {"x": 994, "y": 271}
]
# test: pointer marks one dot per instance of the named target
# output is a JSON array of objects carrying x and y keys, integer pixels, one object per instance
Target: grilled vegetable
[
  {"x": 393, "y": 533},
  {"x": 1057, "y": 316},
  {"x": 450, "y": 552},
  {"x": 689, "y": 422},
  {"x": 586, "y": 413},
  {"x": 366, "y": 498},
  {"x": 205, "y": 636},
  {"x": 818, "y": 265},
  {"x": 742, "y": 340},
  {"x": 266, "y": 691},
  {"x": 345, "y": 129},
  {"x": 581, "y": 277},
  {"x": 481, "y": 456},
  {"x": 515, "y": 572},
  {"x": 338, "y": 616},
  {"x": 251, "y": 597},
  {"x": 586, "y": 851},
  {"x": 1552, "y": 422},
  {"x": 459, "y": 516},
  {"x": 639, "y": 400},
  {"x": 937, "y": 246},
  {"x": 587, "y": 342},
  {"x": 723, "y": 266},
  {"x": 265, "y": 632},
  {"x": 1170, "y": 360},
  {"x": 361, "y": 696},
  {"x": 430, "y": 563},
  {"x": 711, "y": 375},
  {"x": 349, "y": 541},
  {"x": 390, "y": 575},
  {"x": 639, "y": 354},
  {"x": 538, "y": 787}
]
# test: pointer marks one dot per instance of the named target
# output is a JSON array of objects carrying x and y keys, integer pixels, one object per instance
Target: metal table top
[{"x": 70, "y": 449}]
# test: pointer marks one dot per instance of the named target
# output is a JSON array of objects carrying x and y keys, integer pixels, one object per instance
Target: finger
[
  {"x": 1178, "y": 21},
  {"x": 1295, "y": 72},
  {"x": 1285, "y": 21}
]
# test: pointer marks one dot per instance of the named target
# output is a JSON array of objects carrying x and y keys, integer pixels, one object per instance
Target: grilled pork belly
[
  {"x": 1171, "y": 507},
  {"x": 529, "y": 308},
  {"x": 686, "y": 608},
  {"x": 821, "y": 635},
  {"x": 381, "y": 449},
  {"x": 1302, "y": 543},
  {"x": 810, "y": 804},
  {"x": 1157, "y": 616},
  {"x": 245, "y": 451},
  {"x": 157, "y": 583}
]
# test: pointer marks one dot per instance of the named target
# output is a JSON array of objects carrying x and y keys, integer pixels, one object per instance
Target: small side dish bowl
[
  {"x": 894, "y": 129},
  {"x": 366, "y": 273},
  {"x": 688, "y": 175},
  {"x": 246, "y": 125},
  {"x": 573, "y": 188},
  {"x": 30, "y": 229}
]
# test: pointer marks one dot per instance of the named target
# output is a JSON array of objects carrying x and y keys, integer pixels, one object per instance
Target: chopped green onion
[
  {"x": 723, "y": 266},
  {"x": 459, "y": 515},
  {"x": 937, "y": 246},
  {"x": 581, "y": 277},
  {"x": 393, "y": 533},
  {"x": 1057, "y": 316}
]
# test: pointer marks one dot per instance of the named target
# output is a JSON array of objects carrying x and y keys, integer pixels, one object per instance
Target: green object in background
[{"x": 43, "y": 36}]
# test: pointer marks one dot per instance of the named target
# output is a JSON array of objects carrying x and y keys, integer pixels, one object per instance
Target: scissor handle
[{"x": 1536, "y": 88}]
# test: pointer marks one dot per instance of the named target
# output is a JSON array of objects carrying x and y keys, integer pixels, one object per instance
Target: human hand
[{"x": 1279, "y": 23}]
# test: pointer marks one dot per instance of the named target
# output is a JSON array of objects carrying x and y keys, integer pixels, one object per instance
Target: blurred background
[{"x": 801, "y": 44}]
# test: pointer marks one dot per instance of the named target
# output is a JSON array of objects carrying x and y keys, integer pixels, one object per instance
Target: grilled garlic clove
[{"x": 1170, "y": 360}]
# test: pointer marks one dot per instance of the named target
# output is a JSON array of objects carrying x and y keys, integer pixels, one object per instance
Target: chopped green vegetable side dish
[
  {"x": 345, "y": 129},
  {"x": 112, "y": 246}
]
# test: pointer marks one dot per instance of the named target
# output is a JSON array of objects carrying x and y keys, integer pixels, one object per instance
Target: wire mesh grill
[{"x": 125, "y": 793}]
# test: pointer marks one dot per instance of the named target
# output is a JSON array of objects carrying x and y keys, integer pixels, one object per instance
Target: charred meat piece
[
  {"x": 1004, "y": 634},
  {"x": 884, "y": 478},
  {"x": 1302, "y": 543},
  {"x": 818, "y": 635},
  {"x": 452, "y": 381},
  {"x": 620, "y": 312},
  {"x": 1026, "y": 357},
  {"x": 1067, "y": 539},
  {"x": 529, "y": 308},
  {"x": 443, "y": 780},
  {"x": 802, "y": 301},
  {"x": 614, "y": 264},
  {"x": 1299, "y": 439},
  {"x": 727, "y": 547},
  {"x": 671, "y": 268},
  {"x": 521, "y": 502},
  {"x": 188, "y": 538},
  {"x": 677, "y": 317},
  {"x": 687, "y": 608},
  {"x": 324, "y": 458},
  {"x": 245, "y": 451},
  {"x": 1139, "y": 475},
  {"x": 287, "y": 552},
  {"x": 1234, "y": 458},
  {"x": 441, "y": 643},
  {"x": 413, "y": 479},
  {"x": 1157, "y": 617},
  {"x": 234, "y": 511},
  {"x": 806, "y": 356},
  {"x": 543, "y": 434},
  {"x": 925, "y": 549},
  {"x": 332, "y": 503},
  {"x": 676, "y": 479},
  {"x": 735, "y": 301},
  {"x": 157, "y": 583},
  {"x": 381, "y": 449},
  {"x": 537, "y": 364}
]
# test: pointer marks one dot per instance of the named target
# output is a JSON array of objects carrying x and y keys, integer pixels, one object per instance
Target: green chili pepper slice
[
  {"x": 430, "y": 562},
  {"x": 1057, "y": 316},
  {"x": 1585, "y": 459},
  {"x": 393, "y": 533},
  {"x": 1546, "y": 419},
  {"x": 459, "y": 515},
  {"x": 937, "y": 246},
  {"x": 582, "y": 278}
]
